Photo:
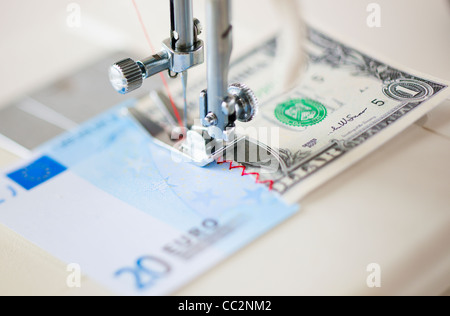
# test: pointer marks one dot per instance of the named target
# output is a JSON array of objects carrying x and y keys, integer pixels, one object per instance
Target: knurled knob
[
  {"x": 246, "y": 102},
  {"x": 126, "y": 76}
]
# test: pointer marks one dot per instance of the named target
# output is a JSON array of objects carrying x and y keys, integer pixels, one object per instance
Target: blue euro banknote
[{"x": 107, "y": 198}]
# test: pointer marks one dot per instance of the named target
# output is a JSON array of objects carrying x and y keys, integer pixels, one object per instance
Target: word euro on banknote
[{"x": 346, "y": 105}]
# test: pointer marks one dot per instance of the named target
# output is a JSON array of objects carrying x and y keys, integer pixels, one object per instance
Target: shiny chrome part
[
  {"x": 203, "y": 104},
  {"x": 155, "y": 64},
  {"x": 183, "y": 25},
  {"x": 184, "y": 80},
  {"x": 198, "y": 27},
  {"x": 210, "y": 120},
  {"x": 229, "y": 105},
  {"x": 183, "y": 60},
  {"x": 246, "y": 103},
  {"x": 220, "y": 42},
  {"x": 126, "y": 76}
]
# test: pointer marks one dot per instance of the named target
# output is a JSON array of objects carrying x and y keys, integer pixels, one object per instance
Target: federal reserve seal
[{"x": 300, "y": 112}]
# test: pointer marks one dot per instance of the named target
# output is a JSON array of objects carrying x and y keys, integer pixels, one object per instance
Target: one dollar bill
[{"x": 346, "y": 105}]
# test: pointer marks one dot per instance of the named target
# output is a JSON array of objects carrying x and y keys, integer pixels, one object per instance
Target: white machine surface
[{"x": 392, "y": 208}]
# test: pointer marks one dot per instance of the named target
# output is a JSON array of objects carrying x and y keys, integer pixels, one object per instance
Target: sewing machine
[{"x": 220, "y": 105}]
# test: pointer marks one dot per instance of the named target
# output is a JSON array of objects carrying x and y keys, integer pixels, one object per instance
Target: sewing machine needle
[{"x": 184, "y": 78}]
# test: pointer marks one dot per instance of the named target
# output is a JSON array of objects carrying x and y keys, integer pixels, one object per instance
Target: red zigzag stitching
[{"x": 270, "y": 182}]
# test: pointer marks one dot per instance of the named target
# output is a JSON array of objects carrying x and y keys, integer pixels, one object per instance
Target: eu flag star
[{"x": 205, "y": 198}]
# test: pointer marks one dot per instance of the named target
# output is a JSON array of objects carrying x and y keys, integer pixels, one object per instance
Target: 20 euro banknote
[{"x": 108, "y": 199}]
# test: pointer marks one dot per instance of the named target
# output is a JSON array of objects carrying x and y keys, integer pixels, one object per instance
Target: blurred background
[
  {"x": 326, "y": 250},
  {"x": 38, "y": 45}
]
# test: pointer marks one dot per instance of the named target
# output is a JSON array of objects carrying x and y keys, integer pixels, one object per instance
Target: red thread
[
  {"x": 152, "y": 48},
  {"x": 244, "y": 173}
]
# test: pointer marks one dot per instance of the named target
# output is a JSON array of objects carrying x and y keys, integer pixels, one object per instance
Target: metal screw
[
  {"x": 198, "y": 26},
  {"x": 229, "y": 105},
  {"x": 210, "y": 120},
  {"x": 245, "y": 100}
]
